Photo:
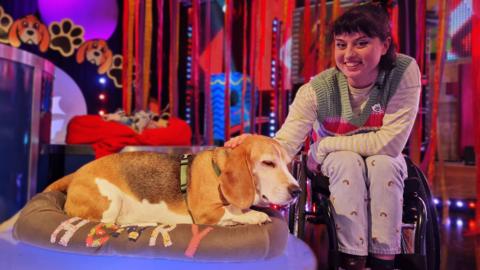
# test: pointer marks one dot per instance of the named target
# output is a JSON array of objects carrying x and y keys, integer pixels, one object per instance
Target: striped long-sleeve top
[{"x": 370, "y": 121}]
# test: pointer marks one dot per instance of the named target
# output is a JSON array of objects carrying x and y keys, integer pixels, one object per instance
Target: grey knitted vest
[{"x": 331, "y": 88}]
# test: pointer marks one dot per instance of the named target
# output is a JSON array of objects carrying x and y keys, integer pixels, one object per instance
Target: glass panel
[{"x": 16, "y": 84}]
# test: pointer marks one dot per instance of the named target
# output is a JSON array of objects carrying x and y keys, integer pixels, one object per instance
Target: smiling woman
[{"x": 363, "y": 110}]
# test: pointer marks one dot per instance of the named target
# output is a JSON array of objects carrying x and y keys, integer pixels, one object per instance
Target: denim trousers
[{"x": 367, "y": 197}]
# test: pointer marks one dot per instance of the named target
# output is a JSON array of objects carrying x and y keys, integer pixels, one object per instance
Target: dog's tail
[{"x": 61, "y": 184}]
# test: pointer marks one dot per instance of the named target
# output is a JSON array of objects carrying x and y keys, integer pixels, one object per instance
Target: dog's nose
[
  {"x": 97, "y": 54},
  {"x": 294, "y": 190},
  {"x": 30, "y": 32}
]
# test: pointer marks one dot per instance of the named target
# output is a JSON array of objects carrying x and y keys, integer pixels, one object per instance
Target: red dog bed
[{"x": 109, "y": 137}]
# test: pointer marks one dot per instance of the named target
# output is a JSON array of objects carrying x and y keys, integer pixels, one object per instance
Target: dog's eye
[
  {"x": 25, "y": 24},
  {"x": 268, "y": 163},
  {"x": 36, "y": 25},
  {"x": 95, "y": 45}
]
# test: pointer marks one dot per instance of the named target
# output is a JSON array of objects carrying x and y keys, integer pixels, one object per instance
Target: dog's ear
[
  {"x": 45, "y": 38},
  {"x": 13, "y": 34},
  {"x": 105, "y": 66},
  {"x": 236, "y": 180},
  {"x": 81, "y": 52}
]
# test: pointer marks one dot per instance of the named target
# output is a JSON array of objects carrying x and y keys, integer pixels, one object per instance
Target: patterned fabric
[{"x": 370, "y": 220}]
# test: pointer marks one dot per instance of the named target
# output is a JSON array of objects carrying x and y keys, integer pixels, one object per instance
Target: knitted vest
[{"x": 335, "y": 114}]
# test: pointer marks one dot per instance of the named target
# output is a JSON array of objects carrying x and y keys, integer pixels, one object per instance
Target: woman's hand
[{"x": 235, "y": 141}]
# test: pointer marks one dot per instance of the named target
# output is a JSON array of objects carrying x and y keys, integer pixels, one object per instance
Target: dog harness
[{"x": 184, "y": 163}]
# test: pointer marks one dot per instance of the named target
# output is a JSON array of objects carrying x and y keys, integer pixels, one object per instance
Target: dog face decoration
[
  {"x": 97, "y": 52},
  {"x": 29, "y": 30},
  {"x": 5, "y": 24}
]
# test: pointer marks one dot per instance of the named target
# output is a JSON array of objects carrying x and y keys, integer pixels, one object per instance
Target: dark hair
[{"x": 372, "y": 20}]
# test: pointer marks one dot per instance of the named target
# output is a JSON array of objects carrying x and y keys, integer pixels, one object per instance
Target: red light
[
  {"x": 102, "y": 96},
  {"x": 472, "y": 225},
  {"x": 471, "y": 205},
  {"x": 101, "y": 112}
]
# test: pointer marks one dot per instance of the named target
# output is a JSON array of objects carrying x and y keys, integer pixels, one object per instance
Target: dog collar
[
  {"x": 215, "y": 166},
  {"x": 184, "y": 172}
]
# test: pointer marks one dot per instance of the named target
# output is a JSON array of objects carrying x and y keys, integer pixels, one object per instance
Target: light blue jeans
[{"x": 367, "y": 196}]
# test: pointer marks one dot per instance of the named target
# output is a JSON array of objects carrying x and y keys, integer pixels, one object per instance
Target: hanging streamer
[
  {"x": 429, "y": 161},
  {"x": 261, "y": 56},
  {"x": 307, "y": 33},
  {"x": 173, "y": 54},
  {"x": 416, "y": 136},
  {"x": 139, "y": 34},
  {"x": 227, "y": 62},
  {"x": 288, "y": 8},
  {"x": 476, "y": 99},
  {"x": 159, "y": 52},
  {"x": 244, "y": 66},
  {"x": 253, "y": 61},
  {"x": 208, "y": 104},
  {"x": 321, "y": 42},
  {"x": 127, "y": 53},
  {"x": 147, "y": 53}
]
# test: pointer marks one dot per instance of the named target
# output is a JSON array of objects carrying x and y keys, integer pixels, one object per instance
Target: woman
[{"x": 363, "y": 111}]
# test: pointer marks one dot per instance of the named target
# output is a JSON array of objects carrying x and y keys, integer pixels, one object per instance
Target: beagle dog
[
  {"x": 29, "y": 30},
  {"x": 144, "y": 187},
  {"x": 97, "y": 52}
]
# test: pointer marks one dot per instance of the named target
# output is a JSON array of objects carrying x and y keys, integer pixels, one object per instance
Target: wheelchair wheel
[
  {"x": 297, "y": 210},
  {"x": 432, "y": 233},
  {"x": 421, "y": 251}
]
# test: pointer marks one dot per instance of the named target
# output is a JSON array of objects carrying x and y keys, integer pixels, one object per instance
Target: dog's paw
[
  {"x": 115, "y": 71},
  {"x": 250, "y": 217},
  {"x": 256, "y": 217},
  {"x": 5, "y": 24},
  {"x": 65, "y": 37}
]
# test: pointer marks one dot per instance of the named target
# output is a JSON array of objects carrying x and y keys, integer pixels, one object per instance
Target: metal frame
[{"x": 39, "y": 65}]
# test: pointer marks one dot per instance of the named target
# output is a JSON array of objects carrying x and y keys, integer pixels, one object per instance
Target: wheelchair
[{"x": 420, "y": 243}]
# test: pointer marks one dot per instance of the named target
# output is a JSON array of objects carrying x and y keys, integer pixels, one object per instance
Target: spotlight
[
  {"x": 272, "y": 134},
  {"x": 459, "y": 223},
  {"x": 436, "y": 201},
  {"x": 459, "y": 204},
  {"x": 101, "y": 112},
  {"x": 102, "y": 96},
  {"x": 471, "y": 205},
  {"x": 272, "y": 114},
  {"x": 102, "y": 80}
]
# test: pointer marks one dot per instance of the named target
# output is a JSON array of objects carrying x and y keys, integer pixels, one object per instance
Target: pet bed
[{"x": 43, "y": 223}]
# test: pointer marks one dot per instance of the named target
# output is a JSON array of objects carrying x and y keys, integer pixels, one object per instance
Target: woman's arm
[
  {"x": 398, "y": 121},
  {"x": 301, "y": 116}
]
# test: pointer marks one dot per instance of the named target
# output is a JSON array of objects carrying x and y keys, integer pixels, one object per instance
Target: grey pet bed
[{"x": 43, "y": 223}]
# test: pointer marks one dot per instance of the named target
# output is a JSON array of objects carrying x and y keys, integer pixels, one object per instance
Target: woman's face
[{"x": 357, "y": 56}]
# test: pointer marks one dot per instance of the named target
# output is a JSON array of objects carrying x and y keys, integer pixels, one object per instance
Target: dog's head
[
  {"x": 97, "y": 52},
  {"x": 256, "y": 173},
  {"x": 29, "y": 30}
]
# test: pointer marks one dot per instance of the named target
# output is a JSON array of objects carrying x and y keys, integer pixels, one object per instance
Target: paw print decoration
[
  {"x": 65, "y": 37},
  {"x": 115, "y": 71},
  {"x": 5, "y": 24}
]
